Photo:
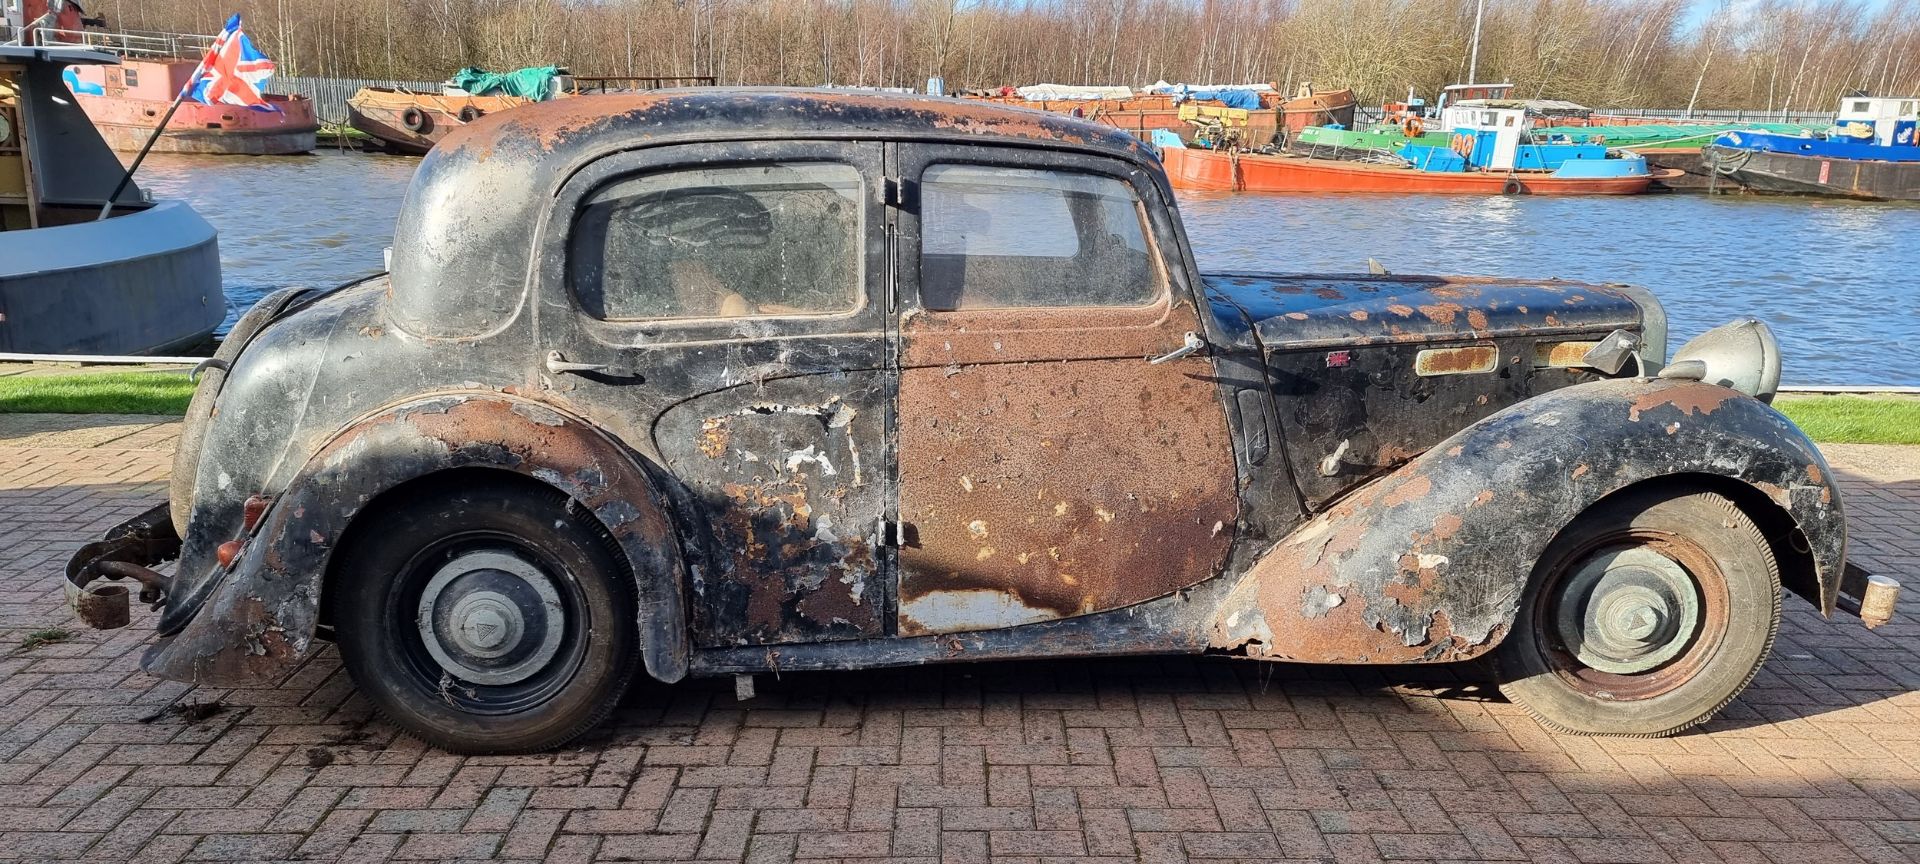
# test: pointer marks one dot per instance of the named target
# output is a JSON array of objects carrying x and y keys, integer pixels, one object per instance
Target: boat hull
[
  {"x": 1679, "y": 169},
  {"x": 146, "y": 282},
  {"x": 1334, "y": 107},
  {"x": 125, "y": 126},
  {"x": 1212, "y": 170},
  {"x": 384, "y": 115},
  {"x": 1786, "y": 173}
]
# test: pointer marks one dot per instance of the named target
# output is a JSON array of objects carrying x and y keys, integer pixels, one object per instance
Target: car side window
[
  {"x": 740, "y": 241},
  {"x": 997, "y": 238}
]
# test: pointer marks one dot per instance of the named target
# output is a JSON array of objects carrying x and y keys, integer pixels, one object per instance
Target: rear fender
[
  {"x": 259, "y": 621},
  {"x": 1428, "y": 563}
]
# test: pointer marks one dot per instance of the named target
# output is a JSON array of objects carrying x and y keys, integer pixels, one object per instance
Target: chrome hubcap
[
  {"x": 491, "y": 618},
  {"x": 1628, "y": 610}
]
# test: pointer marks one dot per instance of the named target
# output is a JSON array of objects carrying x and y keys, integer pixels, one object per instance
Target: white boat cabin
[
  {"x": 1495, "y": 132},
  {"x": 1877, "y": 119}
]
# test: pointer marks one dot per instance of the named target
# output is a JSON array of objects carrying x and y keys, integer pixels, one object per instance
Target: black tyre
[
  {"x": 487, "y": 618},
  {"x": 1646, "y": 616},
  {"x": 416, "y": 120}
]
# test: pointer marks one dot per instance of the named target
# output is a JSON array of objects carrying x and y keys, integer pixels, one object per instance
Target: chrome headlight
[{"x": 1742, "y": 355}]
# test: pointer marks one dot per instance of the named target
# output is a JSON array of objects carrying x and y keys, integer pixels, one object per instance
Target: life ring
[
  {"x": 1513, "y": 186},
  {"x": 1462, "y": 144},
  {"x": 1413, "y": 127},
  {"x": 468, "y": 114},
  {"x": 414, "y": 119}
]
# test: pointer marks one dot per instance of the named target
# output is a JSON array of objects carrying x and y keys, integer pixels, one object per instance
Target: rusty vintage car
[{"x": 726, "y": 382}]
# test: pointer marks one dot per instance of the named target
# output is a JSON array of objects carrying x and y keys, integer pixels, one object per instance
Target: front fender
[
  {"x": 1428, "y": 563},
  {"x": 258, "y": 621}
]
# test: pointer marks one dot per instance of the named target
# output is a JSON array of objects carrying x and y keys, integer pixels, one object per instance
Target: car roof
[
  {"x": 467, "y": 226},
  {"x": 745, "y": 113}
]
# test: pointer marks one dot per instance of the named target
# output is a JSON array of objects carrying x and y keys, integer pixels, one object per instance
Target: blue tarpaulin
[{"x": 1231, "y": 98}]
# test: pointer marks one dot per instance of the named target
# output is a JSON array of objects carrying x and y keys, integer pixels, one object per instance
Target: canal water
[{"x": 1839, "y": 281}]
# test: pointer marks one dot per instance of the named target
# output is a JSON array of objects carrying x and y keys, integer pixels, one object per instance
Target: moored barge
[
  {"x": 1484, "y": 153},
  {"x": 1872, "y": 152}
]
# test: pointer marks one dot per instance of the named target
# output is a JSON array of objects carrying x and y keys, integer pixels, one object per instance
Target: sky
[{"x": 1698, "y": 13}]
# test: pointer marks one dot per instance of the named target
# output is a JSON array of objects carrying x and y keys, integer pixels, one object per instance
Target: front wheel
[
  {"x": 1646, "y": 616},
  {"x": 487, "y": 618}
]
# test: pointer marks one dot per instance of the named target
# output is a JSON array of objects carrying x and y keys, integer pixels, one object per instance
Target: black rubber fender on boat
[{"x": 415, "y": 120}]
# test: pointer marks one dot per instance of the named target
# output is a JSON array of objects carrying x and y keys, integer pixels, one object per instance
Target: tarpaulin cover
[
  {"x": 1069, "y": 92},
  {"x": 1249, "y": 99},
  {"x": 533, "y": 82}
]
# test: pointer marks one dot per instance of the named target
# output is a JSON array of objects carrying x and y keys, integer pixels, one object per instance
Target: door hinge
[
  {"x": 892, "y": 533},
  {"x": 896, "y": 192}
]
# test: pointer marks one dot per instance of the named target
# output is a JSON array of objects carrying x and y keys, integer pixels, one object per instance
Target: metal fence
[
  {"x": 1805, "y": 118},
  {"x": 330, "y": 95}
]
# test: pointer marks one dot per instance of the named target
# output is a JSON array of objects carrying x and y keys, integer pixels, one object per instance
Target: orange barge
[
  {"x": 1278, "y": 118},
  {"x": 1221, "y": 171}
]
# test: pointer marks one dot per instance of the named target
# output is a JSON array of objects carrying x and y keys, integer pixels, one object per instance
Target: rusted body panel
[
  {"x": 787, "y": 476},
  {"x": 1371, "y": 371},
  {"x": 262, "y": 613},
  {"x": 1428, "y": 563},
  {"x": 1022, "y": 501}
]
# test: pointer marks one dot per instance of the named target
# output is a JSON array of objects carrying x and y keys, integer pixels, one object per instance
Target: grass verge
[
  {"x": 161, "y": 392},
  {"x": 1833, "y": 419},
  {"x": 1849, "y": 419}
]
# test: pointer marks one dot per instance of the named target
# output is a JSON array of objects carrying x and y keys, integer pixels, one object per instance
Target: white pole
[{"x": 1473, "y": 59}]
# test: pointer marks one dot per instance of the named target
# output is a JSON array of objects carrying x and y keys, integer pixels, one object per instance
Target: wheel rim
[
  {"x": 488, "y": 623},
  {"x": 1633, "y": 615}
]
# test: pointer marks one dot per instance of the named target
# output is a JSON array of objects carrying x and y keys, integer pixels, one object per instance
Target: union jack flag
[{"x": 234, "y": 72}]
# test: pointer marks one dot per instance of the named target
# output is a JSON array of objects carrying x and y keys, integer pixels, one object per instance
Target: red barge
[
  {"x": 1222, "y": 171},
  {"x": 127, "y": 100}
]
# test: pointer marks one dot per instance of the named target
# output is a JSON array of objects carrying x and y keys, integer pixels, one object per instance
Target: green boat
[{"x": 1317, "y": 140}]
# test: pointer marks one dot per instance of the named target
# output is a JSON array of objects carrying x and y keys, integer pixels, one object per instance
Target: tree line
[{"x": 1778, "y": 55}]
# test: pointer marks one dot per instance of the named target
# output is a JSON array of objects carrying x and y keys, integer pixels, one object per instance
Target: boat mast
[{"x": 1473, "y": 57}]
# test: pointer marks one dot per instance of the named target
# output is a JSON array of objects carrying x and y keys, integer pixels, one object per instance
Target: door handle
[
  {"x": 1192, "y": 344},
  {"x": 558, "y": 363}
]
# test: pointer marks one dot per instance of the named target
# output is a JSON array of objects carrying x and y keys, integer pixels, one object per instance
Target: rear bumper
[{"x": 127, "y": 551}]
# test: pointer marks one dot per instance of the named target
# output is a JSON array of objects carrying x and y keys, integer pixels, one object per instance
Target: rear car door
[{"x": 1046, "y": 468}]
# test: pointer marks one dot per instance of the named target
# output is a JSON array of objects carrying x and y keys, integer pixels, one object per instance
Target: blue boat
[{"x": 1871, "y": 152}]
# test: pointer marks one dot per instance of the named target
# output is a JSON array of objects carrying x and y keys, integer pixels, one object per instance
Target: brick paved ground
[{"x": 1138, "y": 760}]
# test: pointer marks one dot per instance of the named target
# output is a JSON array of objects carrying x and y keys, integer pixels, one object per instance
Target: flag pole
[{"x": 107, "y": 208}]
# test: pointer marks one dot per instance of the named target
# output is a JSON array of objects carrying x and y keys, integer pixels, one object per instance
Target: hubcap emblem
[
  {"x": 491, "y": 618},
  {"x": 1627, "y": 610}
]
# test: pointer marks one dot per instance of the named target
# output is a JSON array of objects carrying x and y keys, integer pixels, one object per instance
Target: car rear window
[
  {"x": 728, "y": 242},
  {"x": 996, "y": 237}
]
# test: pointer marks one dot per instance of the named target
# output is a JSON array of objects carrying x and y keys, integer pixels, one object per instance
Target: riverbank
[{"x": 1850, "y": 418}]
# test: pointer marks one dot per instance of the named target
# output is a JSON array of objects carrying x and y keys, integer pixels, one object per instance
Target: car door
[
  {"x": 1047, "y": 469},
  {"x": 725, "y": 309}
]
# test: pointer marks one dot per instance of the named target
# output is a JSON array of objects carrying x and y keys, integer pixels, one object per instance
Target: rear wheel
[
  {"x": 1646, "y": 616},
  {"x": 487, "y": 619}
]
